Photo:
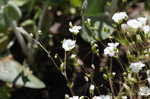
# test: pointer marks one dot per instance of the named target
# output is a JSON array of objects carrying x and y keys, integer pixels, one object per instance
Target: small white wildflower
[
  {"x": 142, "y": 20},
  {"x": 86, "y": 78},
  {"x": 113, "y": 44},
  {"x": 136, "y": 66},
  {"x": 111, "y": 50},
  {"x": 148, "y": 79},
  {"x": 148, "y": 73},
  {"x": 74, "y": 97},
  {"x": 88, "y": 20},
  {"x": 124, "y": 97},
  {"x": 96, "y": 97},
  {"x": 82, "y": 97},
  {"x": 92, "y": 87},
  {"x": 146, "y": 29},
  {"x": 133, "y": 23},
  {"x": 119, "y": 16},
  {"x": 124, "y": 27},
  {"x": 68, "y": 44},
  {"x": 144, "y": 91},
  {"x": 102, "y": 97},
  {"x": 66, "y": 96},
  {"x": 73, "y": 56},
  {"x": 75, "y": 29},
  {"x": 148, "y": 76},
  {"x": 93, "y": 66}
]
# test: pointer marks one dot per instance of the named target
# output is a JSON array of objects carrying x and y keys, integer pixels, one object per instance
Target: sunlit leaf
[{"x": 11, "y": 71}]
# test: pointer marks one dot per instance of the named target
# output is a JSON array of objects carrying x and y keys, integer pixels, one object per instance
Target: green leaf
[
  {"x": 4, "y": 41},
  {"x": 12, "y": 12},
  {"x": 106, "y": 31},
  {"x": 5, "y": 92},
  {"x": 99, "y": 30},
  {"x": 11, "y": 71},
  {"x": 20, "y": 2},
  {"x": 27, "y": 22},
  {"x": 147, "y": 4},
  {"x": 76, "y": 3},
  {"x": 3, "y": 2},
  {"x": 93, "y": 7},
  {"x": 2, "y": 21}
]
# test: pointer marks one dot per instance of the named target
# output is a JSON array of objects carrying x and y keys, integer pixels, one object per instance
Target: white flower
[
  {"x": 144, "y": 91},
  {"x": 74, "y": 97},
  {"x": 111, "y": 50},
  {"x": 113, "y": 44},
  {"x": 124, "y": 97},
  {"x": 133, "y": 23},
  {"x": 146, "y": 29},
  {"x": 148, "y": 76},
  {"x": 124, "y": 27},
  {"x": 66, "y": 96},
  {"x": 148, "y": 79},
  {"x": 137, "y": 66},
  {"x": 119, "y": 16},
  {"x": 142, "y": 20},
  {"x": 92, "y": 87},
  {"x": 148, "y": 73},
  {"x": 75, "y": 29},
  {"x": 68, "y": 44},
  {"x": 73, "y": 56},
  {"x": 102, "y": 97}
]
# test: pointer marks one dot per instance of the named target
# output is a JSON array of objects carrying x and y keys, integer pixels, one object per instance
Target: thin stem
[
  {"x": 65, "y": 73},
  {"x": 65, "y": 66},
  {"x": 48, "y": 53},
  {"x": 21, "y": 41},
  {"x": 41, "y": 18},
  {"x": 38, "y": 43},
  {"x": 110, "y": 80}
]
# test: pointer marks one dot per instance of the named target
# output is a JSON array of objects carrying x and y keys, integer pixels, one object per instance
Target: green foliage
[
  {"x": 76, "y": 3},
  {"x": 100, "y": 22},
  {"x": 4, "y": 41},
  {"x": 147, "y": 4},
  {"x": 20, "y": 2},
  {"x": 2, "y": 21},
  {"x": 12, "y": 12},
  {"x": 93, "y": 8},
  {"x": 3, "y": 2},
  {"x": 12, "y": 72},
  {"x": 98, "y": 30},
  {"x": 4, "y": 92}
]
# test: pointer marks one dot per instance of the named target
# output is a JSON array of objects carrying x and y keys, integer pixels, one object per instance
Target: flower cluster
[
  {"x": 111, "y": 50},
  {"x": 139, "y": 23}
]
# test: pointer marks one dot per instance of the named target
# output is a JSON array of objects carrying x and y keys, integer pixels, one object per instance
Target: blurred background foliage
[{"x": 47, "y": 21}]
